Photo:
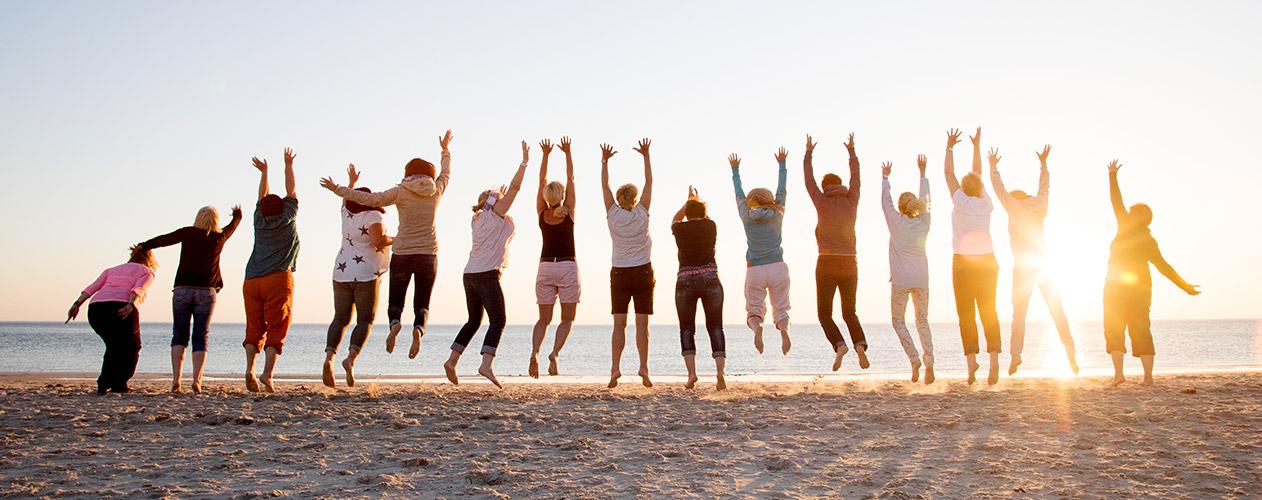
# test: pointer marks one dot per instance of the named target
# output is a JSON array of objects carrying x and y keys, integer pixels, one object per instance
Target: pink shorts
[{"x": 558, "y": 279}]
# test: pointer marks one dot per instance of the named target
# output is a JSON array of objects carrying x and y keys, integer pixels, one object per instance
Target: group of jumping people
[{"x": 368, "y": 253}]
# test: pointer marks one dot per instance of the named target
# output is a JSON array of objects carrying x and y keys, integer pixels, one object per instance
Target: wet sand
[{"x": 1191, "y": 436}]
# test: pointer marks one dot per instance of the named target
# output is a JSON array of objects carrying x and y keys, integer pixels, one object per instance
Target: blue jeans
[
  {"x": 707, "y": 289},
  {"x": 421, "y": 269},
  {"x": 482, "y": 292},
  {"x": 195, "y": 305}
]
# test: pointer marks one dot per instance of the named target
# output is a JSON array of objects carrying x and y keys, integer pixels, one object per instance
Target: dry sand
[{"x": 1192, "y": 436}]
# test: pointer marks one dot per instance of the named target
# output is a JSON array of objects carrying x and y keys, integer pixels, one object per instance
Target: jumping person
[
  {"x": 197, "y": 283},
  {"x": 698, "y": 279},
  {"x": 362, "y": 260},
  {"x": 762, "y": 214},
  {"x": 1128, "y": 286},
  {"x": 631, "y": 277},
  {"x": 114, "y": 314},
  {"x": 836, "y": 269},
  {"x": 269, "y": 275},
  {"x": 558, "y": 271},
  {"x": 415, "y": 244},
  {"x": 974, "y": 270},
  {"x": 493, "y": 229},
  {"x": 1025, "y": 230},
  {"x": 909, "y": 266}
]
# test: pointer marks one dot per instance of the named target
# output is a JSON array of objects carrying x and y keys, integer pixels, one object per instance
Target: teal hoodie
[{"x": 763, "y": 225}]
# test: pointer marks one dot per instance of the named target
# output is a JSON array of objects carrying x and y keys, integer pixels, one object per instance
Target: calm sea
[{"x": 1181, "y": 346}]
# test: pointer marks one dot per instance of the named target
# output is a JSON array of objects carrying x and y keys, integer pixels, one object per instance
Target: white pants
[
  {"x": 759, "y": 280},
  {"x": 898, "y": 309}
]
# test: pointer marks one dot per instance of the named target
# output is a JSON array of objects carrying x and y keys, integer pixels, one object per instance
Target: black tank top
[{"x": 558, "y": 239}]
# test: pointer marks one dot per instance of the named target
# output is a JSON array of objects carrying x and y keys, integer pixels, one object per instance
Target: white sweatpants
[
  {"x": 898, "y": 311},
  {"x": 764, "y": 279}
]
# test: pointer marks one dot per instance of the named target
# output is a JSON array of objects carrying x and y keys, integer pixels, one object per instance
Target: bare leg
[
  {"x": 568, "y": 312},
  {"x": 536, "y": 338},
  {"x": 348, "y": 364},
  {"x": 251, "y": 383},
  {"x": 271, "y": 355},
  {"x": 839, "y": 355},
  {"x": 642, "y": 347},
  {"x": 326, "y": 372},
  {"x": 690, "y": 361},
  {"x": 1118, "y": 378},
  {"x": 416, "y": 343},
  {"x": 449, "y": 367},
  {"x": 785, "y": 342},
  {"x": 993, "y": 378},
  {"x": 199, "y": 365},
  {"x": 1052, "y": 296},
  {"x": 755, "y": 324},
  {"x": 1147, "y": 360},
  {"x": 972, "y": 367},
  {"x": 719, "y": 363},
  {"x": 485, "y": 369},
  {"x": 177, "y": 366},
  {"x": 618, "y": 341}
]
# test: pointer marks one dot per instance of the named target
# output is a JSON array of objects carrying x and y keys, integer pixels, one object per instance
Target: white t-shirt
[
  {"x": 629, "y": 230},
  {"x": 358, "y": 260},
  {"x": 970, "y": 224},
  {"x": 491, "y": 234}
]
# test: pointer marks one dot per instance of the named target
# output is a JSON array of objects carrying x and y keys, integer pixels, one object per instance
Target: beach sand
[{"x": 1191, "y": 436}]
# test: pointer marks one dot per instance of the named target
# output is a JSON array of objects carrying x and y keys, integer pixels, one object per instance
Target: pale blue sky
[{"x": 120, "y": 119}]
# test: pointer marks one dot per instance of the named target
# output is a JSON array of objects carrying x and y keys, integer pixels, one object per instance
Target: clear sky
[{"x": 121, "y": 119}]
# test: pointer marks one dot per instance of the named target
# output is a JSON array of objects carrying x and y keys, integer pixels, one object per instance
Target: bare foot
[
  {"x": 326, "y": 374},
  {"x": 1147, "y": 382},
  {"x": 416, "y": 343},
  {"x": 993, "y": 377},
  {"x": 485, "y": 371},
  {"x": 251, "y": 383},
  {"x": 1117, "y": 380},
  {"x": 613, "y": 379},
  {"x": 1012, "y": 366},
  {"x": 395, "y": 326},
  {"x": 785, "y": 342},
  {"x": 973, "y": 366},
  {"x": 757, "y": 328},
  {"x": 721, "y": 385},
  {"x": 552, "y": 365},
  {"x": 534, "y": 366},
  {"x": 644, "y": 378},
  {"x": 350, "y": 372},
  {"x": 692, "y": 382},
  {"x": 450, "y": 370},
  {"x": 197, "y": 387},
  {"x": 266, "y": 380},
  {"x": 841, "y": 353},
  {"x": 175, "y": 387},
  {"x": 863, "y": 357},
  {"x": 929, "y": 374},
  {"x": 1073, "y": 364},
  {"x": 915, "y": 371}
]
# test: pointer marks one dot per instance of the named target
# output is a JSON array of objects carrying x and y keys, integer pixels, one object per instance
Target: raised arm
[
  {"x": 165, "y": 240},
  {"x": 808, "y": 171},
  {"x": 922, "y": 162},
  {"x": 444, "y": 174},
  {"x": 377, "y": 199},
  {"x": 781, "y": 192},
  {"x": 1044, "y": 181},
  {"x": 647, "y": 196},
  {"x": 996, "y": 180},
  {"x": 1115, "y": 193},
  {"x": 231, "y": 227},
  {"x": 570, "y": 194},
  {"x": 853, "y": 193},
  {"x": 606, "y": 152},
  {"x": 261, "y": 165},
  {"x": 501, "y": 207},
  {"x": 741, "y": 207},
  {"x": 953, "y": 182},
  {"x": 289, "y": 174},
  {"x": 887, "y": 200},
  {"x": 679, "y": 216},
  {"x": 1168, "y": 271},
  {"x": 977, "y": 151},
  {"x": 545, "y": 146}
]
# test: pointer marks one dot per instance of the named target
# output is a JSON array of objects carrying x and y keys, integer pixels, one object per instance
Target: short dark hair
[
  {"x": 830, "y": 180},
  {"x": 694, "y": 210},
  {"x": 355, "y": 208},
  {"x": 271, "y": 205},
  {"x": 418, "y": 166}
]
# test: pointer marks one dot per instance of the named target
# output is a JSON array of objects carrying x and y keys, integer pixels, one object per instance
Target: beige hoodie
[{"x": 417, "y": 202}]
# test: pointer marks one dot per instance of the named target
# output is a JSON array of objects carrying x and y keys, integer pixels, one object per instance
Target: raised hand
[
  {"x": 606, "y": 152},
  {"x": 993, "y": 157},
  {"x": 734, "y": 160},
  {"x": 810, "y": 144},
  {"x": 236, "y": 211},
  {"x": 1047, "y": 149},
  {"x": 953, "y": 137},
  {"x": 329, "y": 184},
  {"x": 259, "y": 164},
  {"x": 445, "y": 139},
  {"x": 692, "y": 193},
  {"x": 782, "y": 154},
  {"x": 885, "y": 169},
  {"x": 352, "y": 175},
  {"x": 643, "y": 147},
  {"x": 976, "y": 138},
  {"x": 1114, "y": 166},
  {"x": 289, "y": 157},
  {"x": 525, "y": 153},
  {"x": 546, "y": 146},
  {"x": 922, "y": 162},
  {"x": 565, "y": 145},
  {"x": 850, "y": 144}
]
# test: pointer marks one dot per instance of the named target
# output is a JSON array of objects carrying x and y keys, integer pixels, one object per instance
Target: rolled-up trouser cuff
[
  {"x": 690, "y": 353},
  {"x": 720, "y": 354},
  {"x": 457, "y": 347},
  {"x": 486, "y": 349}
]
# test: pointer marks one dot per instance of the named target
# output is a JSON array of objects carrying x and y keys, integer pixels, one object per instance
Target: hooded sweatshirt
[
  {"x": 417, "y": 201},
  {"x": 837, "y": 207},
  {"x": 762, "y": 225},
  {"x": 1025, "y": 217}
]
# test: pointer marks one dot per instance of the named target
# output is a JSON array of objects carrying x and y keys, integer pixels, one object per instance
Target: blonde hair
[
  {"x": 207, "y": 220},
  {"x": 143, "y": 256},
  {"x": 554, "y": 198},
  {"x": 628, "y": 195},
  {"x": 482, "y": 199},
  {"x": 910, "y": 206},
  {"x": 762, "y": 198},
  {"x": 972, "y": 185}
]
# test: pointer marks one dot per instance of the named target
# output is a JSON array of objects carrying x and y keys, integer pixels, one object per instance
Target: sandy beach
[{"x": 1192, "y": 436}]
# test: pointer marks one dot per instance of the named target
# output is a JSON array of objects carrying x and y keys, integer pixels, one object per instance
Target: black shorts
[{"x": 628, "y": 283}]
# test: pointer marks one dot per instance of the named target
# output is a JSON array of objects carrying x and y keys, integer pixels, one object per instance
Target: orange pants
[{"x": 268, "y": 301}]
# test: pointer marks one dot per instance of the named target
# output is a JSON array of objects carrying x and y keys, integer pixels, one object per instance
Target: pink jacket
[{"x": 117, "y": 283}]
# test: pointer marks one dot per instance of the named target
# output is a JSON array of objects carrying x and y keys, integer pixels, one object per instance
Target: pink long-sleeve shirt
[{"x": 117, "y": 283}]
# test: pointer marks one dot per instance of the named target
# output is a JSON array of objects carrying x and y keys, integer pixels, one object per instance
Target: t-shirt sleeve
[{"x": 290, "y": 207}]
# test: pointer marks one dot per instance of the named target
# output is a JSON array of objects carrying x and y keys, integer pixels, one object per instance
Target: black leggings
[
  {"x": 833, "y": 273},
  {"x": 404, "y": 268},
  {"x": 122, "y": 344},
  {"x": 707, "y": 289},
  {"x": 974, "y": 278},
  {"x": 482, "y": 291}
]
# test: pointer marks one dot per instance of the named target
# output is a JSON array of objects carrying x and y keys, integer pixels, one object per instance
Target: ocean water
[{"x": 1213, "y": 345}]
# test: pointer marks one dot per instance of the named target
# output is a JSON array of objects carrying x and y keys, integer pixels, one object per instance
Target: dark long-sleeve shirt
[
  {"x": 199, "y": 253},
  {"x": 1133, "y": 249},
  {"x": 837, "y": 209}
]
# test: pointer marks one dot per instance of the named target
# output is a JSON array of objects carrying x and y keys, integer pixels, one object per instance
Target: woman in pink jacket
[{"x": 114, "y": 316}]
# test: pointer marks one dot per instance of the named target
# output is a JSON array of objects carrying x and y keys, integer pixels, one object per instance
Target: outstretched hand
[
  {"x": 546, "y": 146},
  {"x": 259, "y": 164},
  {"x": 810, "y": 144},
  {"x": 445, "y": 139},
  {"x": 850, "y": 144},
  {"x": 643, "y": 147},
  {"x": 606, "y": 152},
  {"x": 565, "y": 145},
  {"x": 327, "y": 183},
  {"x": 1114, "y": 166},
  {"x": 922, "y": 162},
  {"x": 782, "y": 155},
  {"x": 953, "y": 137},
  {"x": 352, "y": 175},
  {"x": 1192, "y": 289},
  {"x": 976, "y": 138},
  {"x": 993, "y": 157},
  {"x": 734, "y": 160},
  {"x": 1047, "y": 149},
  {"x": 885, "y": 169},
  {"x": 289, "y": 157},
  {"x": 525, "y": 152}
]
